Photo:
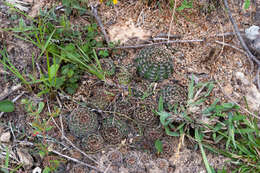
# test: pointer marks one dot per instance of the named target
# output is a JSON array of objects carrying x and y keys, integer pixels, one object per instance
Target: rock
[
  {"x": 253, "y": 39},
  {"x": 5, "y": 137},
  {"x": 37, "y": 170},
  {"x": 25, "y": 158},
  {"x": 252, "y": 94}
]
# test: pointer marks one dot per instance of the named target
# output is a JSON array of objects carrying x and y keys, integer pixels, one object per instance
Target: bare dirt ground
[{"x": 134, "y": 23}]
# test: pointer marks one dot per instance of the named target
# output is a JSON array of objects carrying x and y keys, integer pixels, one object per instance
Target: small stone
[
  {"x": 228, "y": 89},
  {"x": 37, "y": 170},
  {"x": 25, "y": 158},
  {"x": 5, "y": 137}
]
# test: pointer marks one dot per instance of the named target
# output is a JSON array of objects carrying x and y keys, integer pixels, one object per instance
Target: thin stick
[
  {"x": 7, "y": 93},
  {"x": 257, "y": 77},
  {"x": 242, "y": 42},
  {"x": 12, "y": 131},
  {"x": 240, "y": 50},
  {"x": 173, "y": 13},
  {"x": 95, "y": 14},
  {"x": 152, "y": 44},
  {"x": 75, "y": 160},
  {"x": 229, "y": 45}
]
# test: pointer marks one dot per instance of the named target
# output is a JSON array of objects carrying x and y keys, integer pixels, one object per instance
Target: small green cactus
[
  {"x": 93, "y": 142},
  {"x": 154, "y": 63},
  {"x": 115, "y": 157},
  {"x": 144, "y": 114},
  {"x": 82, "y": 122},
  {"x": 131, "y": 161},
  {"x": 174, "y": 94},
  {"x": 114, "y": 130},
  {"x": 108, "y": 66}
]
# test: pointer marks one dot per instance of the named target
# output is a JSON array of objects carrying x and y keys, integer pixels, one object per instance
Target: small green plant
[
  {"x": 40, "y": 125},
  {"x": 71, "y": 5},
  {"x": 6, "y": 106},
  {"x": 247, "y": 4},
  {"x": 159, "y": 146},
  {"x": 71, "y": 74},
  {"x": 6, "y": 167},
  {"x": 60, "y": 46},
  {"x": 185, "y": 4},
  {"x": 225, "y": 124}
]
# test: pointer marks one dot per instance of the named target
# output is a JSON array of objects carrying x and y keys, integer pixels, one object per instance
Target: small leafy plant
[
  {"x": 6, "y": 106},
  {"x": 224, "y": 124}
]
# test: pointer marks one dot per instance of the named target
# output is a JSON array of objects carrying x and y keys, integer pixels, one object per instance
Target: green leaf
[
  {"x": 6, "y": 106},
  {"x": 46, "y": 170},
  {"x": 103, "y": 53},
  {"x": 160, "y": 105},
  {"x": 53, "y": 71},
  {"x": 198, "y": 137},
  {"x": 163, "y": 117},
  {"x": 185, "y": 4},
  {"x": 158, "y": 146},
  {"x": 210, "y": 88},
  {"x": 246, "y": 4},
  {"x": 211, "y": 108},
  {"x": 40, "y": 107},
  {"x": 170, "y": 133}
]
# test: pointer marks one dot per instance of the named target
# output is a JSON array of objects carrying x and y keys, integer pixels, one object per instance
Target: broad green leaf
[
  {"x": 160, "y": 105},
  {"x": 171, "y": 133},
  {"x": 46, "y": 170},
  {"x": 53, "y": 71},
  {"x": 210, "y": 88},
  {"x": 40, "y": 107},
  {"x": 244, "y": 130},
  {"x": 158, "y": 146},
  {"x": 211, "y": 108},
  {"x": 198, "y": 137},
  {"x": 6, "y": 106},
  {"x": 247, "y": 4},
  {"x": 163, "y": 117}
]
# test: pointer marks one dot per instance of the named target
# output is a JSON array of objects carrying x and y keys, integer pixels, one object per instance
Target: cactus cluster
[
  {"x": 114, "y": 130},
  {"x": 82, "y": 122},
  {"x": 144, "y": 114},
  {"x": 93, "y": 142},
  {"x": 115, "y": 157},
  {"x": 108, "y": 66},
  {"x": 154, "y": 63},
  {"x": 172, "y": 95}
]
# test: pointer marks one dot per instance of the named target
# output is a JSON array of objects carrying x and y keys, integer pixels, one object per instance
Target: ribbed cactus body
[
  {"x": 172, "y": 95},
  {"x": 82, "y": 122},
  {"x": 154, "y": 63},
  {"x": 114, "y": 130}
]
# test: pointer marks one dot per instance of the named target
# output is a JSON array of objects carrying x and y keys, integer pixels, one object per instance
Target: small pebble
[{"x": 5, "y": 137}]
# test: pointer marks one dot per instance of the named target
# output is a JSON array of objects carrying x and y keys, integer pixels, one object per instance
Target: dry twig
[
  {"x": 151, "y": 44},
  {"x": 95, "y": 14},
  {"x": 74, "y": 160},
  {"x": 6, "y": 93},
  {"x": 242, "y": 42},
  {"x": 232, "y": 46}
]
